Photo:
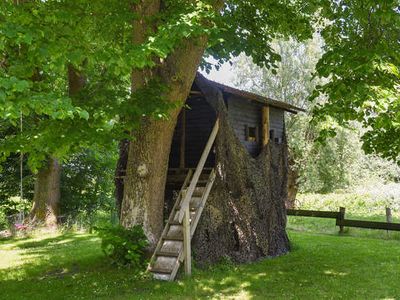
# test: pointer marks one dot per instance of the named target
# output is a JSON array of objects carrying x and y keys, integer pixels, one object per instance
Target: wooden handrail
[{"x": 197, "y": 173}]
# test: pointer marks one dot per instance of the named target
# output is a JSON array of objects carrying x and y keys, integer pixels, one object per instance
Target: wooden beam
[
  {"x": 313, "y": 213},
  {"x": 369, "y": 224},
  {"x": 183, "y": 140},
  {"x": 265, "y": 125}
]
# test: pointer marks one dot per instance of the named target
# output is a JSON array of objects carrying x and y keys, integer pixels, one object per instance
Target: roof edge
[{"x": 252, "y": 96}]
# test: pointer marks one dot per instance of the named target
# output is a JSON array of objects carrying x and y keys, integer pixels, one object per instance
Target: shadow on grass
[
  {"x": 318, "y": 267},
  {"x": 53, "y": 255},
  {"x": 52, "y": 241}
]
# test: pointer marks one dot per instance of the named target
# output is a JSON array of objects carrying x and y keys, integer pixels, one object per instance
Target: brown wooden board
[
  {"x": 369, "y": 224},
  {"x": 313, "y": 213}
]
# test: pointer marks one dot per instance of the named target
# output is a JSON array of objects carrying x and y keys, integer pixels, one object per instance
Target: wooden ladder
[{"x": 174, "y": 246}]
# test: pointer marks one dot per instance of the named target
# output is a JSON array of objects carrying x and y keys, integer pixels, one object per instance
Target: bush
[{"x": 124, "y": 247}]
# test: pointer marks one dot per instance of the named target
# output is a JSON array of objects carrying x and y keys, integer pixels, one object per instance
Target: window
[
  {"x": 272, "y": 134},
  {"x": 251, "y": 134}
]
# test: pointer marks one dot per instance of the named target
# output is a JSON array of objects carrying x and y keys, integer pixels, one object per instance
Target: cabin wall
[
  {"x": 244, "y": 113},
  {"x": 277, "y": 123},
  {"x": 200, "y": 119}
]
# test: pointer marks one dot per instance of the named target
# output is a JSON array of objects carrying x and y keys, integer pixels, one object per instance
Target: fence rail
[{"x": 342, "y": 222}]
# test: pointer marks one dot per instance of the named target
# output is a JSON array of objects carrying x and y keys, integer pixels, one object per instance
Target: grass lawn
[{"x": 71, "y": 266}]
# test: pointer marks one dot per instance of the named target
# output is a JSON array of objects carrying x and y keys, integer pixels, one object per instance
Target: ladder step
[
  {"x": 176, "y": 223},
  {"x": 173, "y": 238},
  {"x": 167, "y": 254},
  {"x": 192, "y": 209},
  {"x": 160, "y": 270}
]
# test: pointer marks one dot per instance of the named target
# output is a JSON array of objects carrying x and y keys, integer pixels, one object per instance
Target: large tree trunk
[
  {"x": 244, "y": 217},
  {"x": 46, "y": 198},
  {"x": 147, "y": 165},
  {"x": 148, "y": 155}
]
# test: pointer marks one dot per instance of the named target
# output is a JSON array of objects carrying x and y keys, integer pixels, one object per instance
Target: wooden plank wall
[
  {"x": 276, "y": 119},
  {"x": 200, "y": 118},
  {"x": 244, "y": 113}
]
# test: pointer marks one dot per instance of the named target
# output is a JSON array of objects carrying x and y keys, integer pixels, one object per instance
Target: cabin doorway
[{"x": 193, "y": 129}]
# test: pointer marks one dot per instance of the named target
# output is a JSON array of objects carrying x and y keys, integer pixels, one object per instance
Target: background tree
[
  {"x": 87, "y": 187},
  {"x": 45, "y": 47},
  {"x": 339, "y": 162},
  {"x": 361, "y": 66}
]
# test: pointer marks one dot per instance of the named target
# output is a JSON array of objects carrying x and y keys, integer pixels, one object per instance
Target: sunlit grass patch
[{"x": 72, "y": 266}]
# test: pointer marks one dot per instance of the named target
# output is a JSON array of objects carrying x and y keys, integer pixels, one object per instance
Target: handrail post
[{"x": 186, "y": 242}]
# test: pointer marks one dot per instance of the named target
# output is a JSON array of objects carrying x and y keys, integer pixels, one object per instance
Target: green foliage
[
  {"x": 250, "y": 26},
  {"x": 124, "y": 247},
  {"x": 10, "y": 179},
  {"x": 15, "y": 205},
  {"x": 322, "y": 165},
  {"x": 361, "y": 67},
  {"x": 87, "y": 184},
  {"x": 42, "y": 40},
  {"x": 10, "y": 197},
  {"x": 53, "y": 37},
  {"x": 11, "y": 209}
]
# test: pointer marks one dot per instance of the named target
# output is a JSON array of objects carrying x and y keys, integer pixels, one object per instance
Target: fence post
[
  {"x": 342, "y": 212},
  {"x": 388, "y": 216}
]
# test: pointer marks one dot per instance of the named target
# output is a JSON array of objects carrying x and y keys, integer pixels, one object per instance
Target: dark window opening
[
  {"x": 251, "y": 134},
  {"x": 272, "y": 134}
]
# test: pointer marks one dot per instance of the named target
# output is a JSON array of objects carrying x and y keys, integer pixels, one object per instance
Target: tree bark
[
  {"x": 293, "y": 186},
  {"x": 120, "y": 172},
  {"x": 148, "y": 154},
  {"x": 244, "y": 217},
  {"x": 46, "y": 198},
  {"x": 147, "y": 166}
]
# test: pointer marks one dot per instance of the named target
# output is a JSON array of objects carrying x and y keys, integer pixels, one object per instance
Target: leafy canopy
[
  {"x": 361, "y": 65},
  {"x": 41, "y": 40}
]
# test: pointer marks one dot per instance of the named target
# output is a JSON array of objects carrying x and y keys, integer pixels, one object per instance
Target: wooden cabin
[{"x": 256, "y": 121}]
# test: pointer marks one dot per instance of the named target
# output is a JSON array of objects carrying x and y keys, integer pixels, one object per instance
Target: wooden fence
[{"x": 341, "y": 221}]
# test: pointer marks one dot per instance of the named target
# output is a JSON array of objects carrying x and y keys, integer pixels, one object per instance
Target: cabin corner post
[{"x": 265, "y": 125}]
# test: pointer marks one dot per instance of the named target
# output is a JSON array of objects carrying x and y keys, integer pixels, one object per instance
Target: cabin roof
[{"x": 255, "y": 97}]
